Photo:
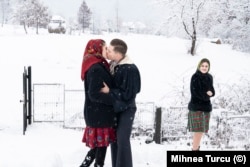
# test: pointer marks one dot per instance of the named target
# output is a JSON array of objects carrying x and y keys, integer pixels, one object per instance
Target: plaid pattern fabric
[{"x": 198, "y": 121}]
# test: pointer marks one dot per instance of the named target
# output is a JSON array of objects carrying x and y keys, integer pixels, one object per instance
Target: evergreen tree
[{"x": 84, "y": 16}]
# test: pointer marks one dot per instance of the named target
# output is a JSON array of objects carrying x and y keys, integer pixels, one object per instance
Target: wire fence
[
  {"x": 52, "y": 103},
  {"x": 48, "y": 102},
  {"x": 227, "y": 130}
]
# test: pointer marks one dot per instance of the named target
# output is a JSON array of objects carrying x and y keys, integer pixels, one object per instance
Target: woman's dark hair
[
  {"x": 103, "y": 42},
  {"x": 119, "y": 46}
]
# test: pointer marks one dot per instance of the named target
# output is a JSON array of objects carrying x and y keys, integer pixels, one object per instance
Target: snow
[{"x": 165, "y": 68}]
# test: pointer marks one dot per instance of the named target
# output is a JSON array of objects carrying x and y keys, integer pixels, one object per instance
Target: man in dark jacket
[{"x": 127, "y": 84}]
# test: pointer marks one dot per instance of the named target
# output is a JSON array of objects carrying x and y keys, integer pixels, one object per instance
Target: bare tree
[
  {"x": 190, "y": 17},
  {"x": 186, "y": 12},
  {"x": 21, "y": 14},
  {"x": 31, "y": 13},
  {"x": 84, "y": 16},
  {"x": 4, "y": 8},
  {"x": 40, "y": 16},
  {"x": 118, "y": 25}
]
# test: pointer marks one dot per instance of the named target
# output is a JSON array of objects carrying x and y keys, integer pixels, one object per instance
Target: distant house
[
  {"x": 134, "y": 27},
  {"x": 57, "y": 24}
]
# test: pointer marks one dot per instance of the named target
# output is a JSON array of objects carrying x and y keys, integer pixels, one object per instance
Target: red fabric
[
  {"x": 92, "y": 55},
  {"x": 98, "y": 137}
]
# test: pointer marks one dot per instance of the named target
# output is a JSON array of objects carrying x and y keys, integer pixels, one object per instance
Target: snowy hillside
[{"x": 166, "y": 69}]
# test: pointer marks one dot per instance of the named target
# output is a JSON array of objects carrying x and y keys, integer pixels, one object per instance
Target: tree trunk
[
  {"x": 25, "y": 29},
  {"x": 192, "y": 51},
  {"x": 37, "y": 27},
  {"x": 2, "y": 19},
  {"x": 3, "y": 11}
]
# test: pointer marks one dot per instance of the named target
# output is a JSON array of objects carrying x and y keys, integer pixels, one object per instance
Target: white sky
[{"x": 129, "y": 10}]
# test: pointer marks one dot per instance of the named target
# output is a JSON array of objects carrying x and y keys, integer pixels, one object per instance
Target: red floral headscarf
[{"x": 93, "y": 55}]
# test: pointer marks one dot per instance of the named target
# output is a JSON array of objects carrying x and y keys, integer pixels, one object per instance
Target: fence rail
[{"x": 53, "y": 103}]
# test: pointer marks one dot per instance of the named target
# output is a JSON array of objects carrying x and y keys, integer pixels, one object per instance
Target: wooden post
[{"x": 158, "y": 134}]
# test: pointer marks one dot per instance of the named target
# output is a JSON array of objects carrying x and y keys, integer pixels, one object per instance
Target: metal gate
[
  {"x": 51, "y": 102},
  {"x": 48, "y": 102},
  {"x": 26, "y": 98},
  {"x": 73, "y": 114}
]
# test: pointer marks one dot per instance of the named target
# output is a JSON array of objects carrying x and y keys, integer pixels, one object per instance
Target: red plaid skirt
[
  {"x": 198, "y": 121},
  {"x": 98, "y": 137}
]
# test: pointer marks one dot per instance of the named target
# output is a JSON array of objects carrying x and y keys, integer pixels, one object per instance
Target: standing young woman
[
  {"x": 99, "y": 114},
  {"x": 200, "y": 106}
]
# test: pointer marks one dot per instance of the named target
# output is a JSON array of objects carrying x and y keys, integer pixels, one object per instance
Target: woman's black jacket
[
  {"x": 98, "y": 109},
  {"x": 200, "y": 84}
]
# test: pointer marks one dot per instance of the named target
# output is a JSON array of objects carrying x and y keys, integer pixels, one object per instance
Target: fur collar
[
  {"x": 113, "y": 64},
  {"x": 125, "y": 60}
]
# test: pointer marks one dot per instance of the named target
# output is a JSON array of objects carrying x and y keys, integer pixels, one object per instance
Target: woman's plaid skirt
[{"x": 198, "y": 121}]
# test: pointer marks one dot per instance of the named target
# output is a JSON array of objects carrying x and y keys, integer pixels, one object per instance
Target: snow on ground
[
  {"x": 163, "y": 63},
  {"x": 49, "y": 145}
]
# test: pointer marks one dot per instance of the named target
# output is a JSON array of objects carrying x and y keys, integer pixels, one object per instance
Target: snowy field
[{"x": 165, "y": 68}]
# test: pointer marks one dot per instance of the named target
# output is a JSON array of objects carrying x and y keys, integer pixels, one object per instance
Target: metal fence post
[
  {"x": 27, "y": 98},
  {"x": 24, "y": 101},
  {"x": 29, "y": 95}
]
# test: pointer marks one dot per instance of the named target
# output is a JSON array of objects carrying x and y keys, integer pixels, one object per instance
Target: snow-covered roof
[{"x": 57, "y": 17}]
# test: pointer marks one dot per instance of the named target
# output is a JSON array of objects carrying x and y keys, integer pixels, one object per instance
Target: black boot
[
  {"x": 97, "y": 165},
  {"x": 197, "y": 149},
  {"x": 89, "y": 158},
  {"x": 100, "y": 156},
  {"x": 87, "y": 161}
]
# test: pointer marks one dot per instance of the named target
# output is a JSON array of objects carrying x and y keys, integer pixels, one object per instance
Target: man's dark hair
[{"x": 119, "y": 46}]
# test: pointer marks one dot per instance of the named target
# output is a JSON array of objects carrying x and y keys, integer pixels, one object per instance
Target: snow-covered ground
[{"x": 165, "y": 69}]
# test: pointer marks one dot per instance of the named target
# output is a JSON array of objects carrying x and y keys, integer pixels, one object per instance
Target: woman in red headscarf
[{"x": 99, "y": 114}]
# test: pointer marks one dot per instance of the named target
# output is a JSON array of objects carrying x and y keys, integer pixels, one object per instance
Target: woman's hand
[
  {"x": 209, "y": 93},
  {"x": 105, "y": 89}
]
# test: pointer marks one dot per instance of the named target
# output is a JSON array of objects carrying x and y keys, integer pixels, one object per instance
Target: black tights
[{"x": 99, "y": 154}]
